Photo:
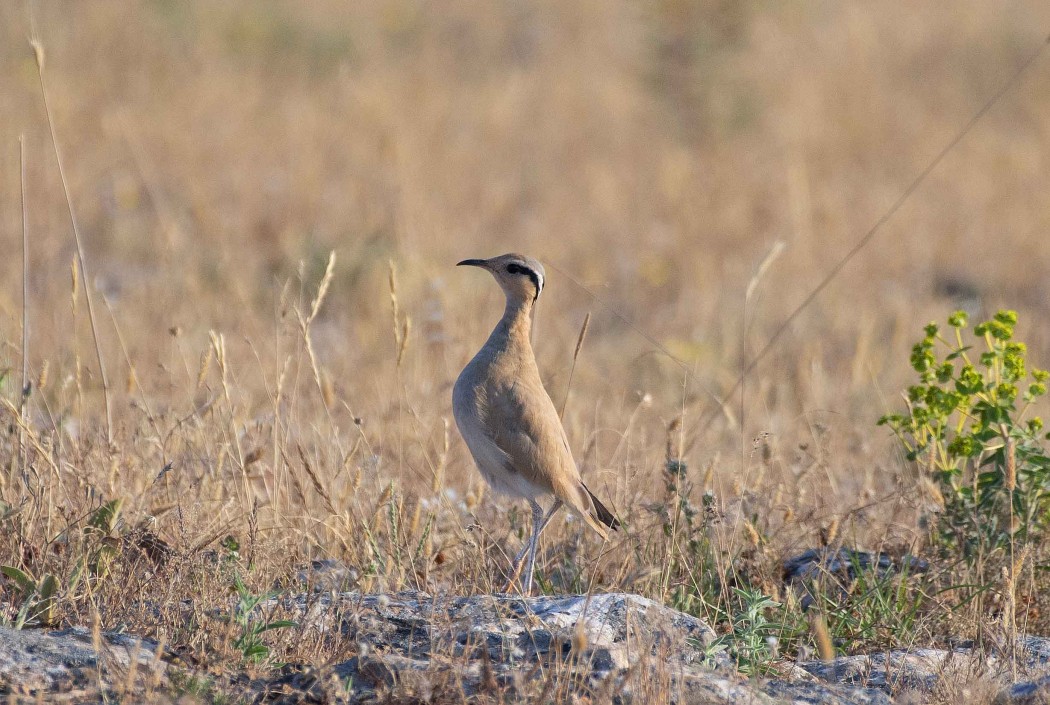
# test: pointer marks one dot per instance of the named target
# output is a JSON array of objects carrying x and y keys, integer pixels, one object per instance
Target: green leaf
[
  {"x": 77, "y": 574},
  {"x": 105, "y": 517},
  {"x": 1006, "y": 317},
  {"x": 989, "y": 479},
  {"x": 24, "y": 580},
  {"x": 256, "y": 652},
  {"x": 279, "y": 624},
  {"x": 48, "y": 586},
  {"x": 47, "y": 590}
]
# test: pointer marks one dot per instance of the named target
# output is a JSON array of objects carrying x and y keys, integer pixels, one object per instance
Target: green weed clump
[
  {"x": 968, "y": 427},
  {"x": 251, "y": 625},
  {"x": 93, "y": 549},
  {"x": 755, "y": 633}
]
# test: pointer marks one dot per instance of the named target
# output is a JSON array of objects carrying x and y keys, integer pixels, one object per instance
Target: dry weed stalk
[
  {"x": 24, "y": 404},
  {"x": 38, "y": 53},
  {"x": 315, "y": 480},
  {"x": 821, "y": 636},
  {"x": 401, "y": 324},
  {"x": 572, "y": 369},
  {"x": 304, "y": 330}
]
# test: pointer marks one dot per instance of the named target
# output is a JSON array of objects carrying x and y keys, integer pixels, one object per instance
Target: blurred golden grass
[{"x": 217, "y": 153}]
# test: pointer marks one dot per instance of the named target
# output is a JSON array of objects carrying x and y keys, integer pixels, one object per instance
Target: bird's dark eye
[{"x": 515, "y": 268}]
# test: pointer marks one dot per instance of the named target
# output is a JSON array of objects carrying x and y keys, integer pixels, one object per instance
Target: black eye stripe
[{"x": 513, "y": 268}]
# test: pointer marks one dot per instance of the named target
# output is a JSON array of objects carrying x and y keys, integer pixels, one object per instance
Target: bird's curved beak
[{"x": 483, "y": 263}]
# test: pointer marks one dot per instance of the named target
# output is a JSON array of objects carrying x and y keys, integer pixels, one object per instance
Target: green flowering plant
[{"x": 967, "y": 424}]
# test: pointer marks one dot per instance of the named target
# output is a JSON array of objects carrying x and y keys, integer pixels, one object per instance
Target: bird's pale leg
[
  {"x": 518, "y": 559},
  {"x": 550, "y": 514},
  {"x": 530, "y": 565},
  {"x": 525, "y": 547}
]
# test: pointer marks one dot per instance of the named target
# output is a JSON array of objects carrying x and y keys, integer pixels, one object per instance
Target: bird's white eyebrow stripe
[{"x": 537, "y": 280}]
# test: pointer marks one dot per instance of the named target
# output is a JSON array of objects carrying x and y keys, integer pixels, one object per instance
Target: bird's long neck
[{"x": 515, "y": 328}]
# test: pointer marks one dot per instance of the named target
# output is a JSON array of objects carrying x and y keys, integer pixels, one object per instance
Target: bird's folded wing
[{"x": 523, "y": 422}]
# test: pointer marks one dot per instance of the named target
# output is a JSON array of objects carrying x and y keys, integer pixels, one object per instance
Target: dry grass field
[{"x": 271, "y": 406}]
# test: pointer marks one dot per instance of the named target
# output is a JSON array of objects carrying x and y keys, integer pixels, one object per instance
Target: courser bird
[{"x": 508, "y": 420}]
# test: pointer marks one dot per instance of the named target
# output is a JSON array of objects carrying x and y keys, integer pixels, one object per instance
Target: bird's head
[{"x": 520, "y": 277}]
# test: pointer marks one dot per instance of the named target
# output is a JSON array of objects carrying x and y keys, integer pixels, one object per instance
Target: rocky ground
[{"x": 414, "y": 647}]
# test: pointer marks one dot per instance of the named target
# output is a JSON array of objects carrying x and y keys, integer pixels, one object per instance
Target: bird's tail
[
  {"x": 601, "y": 511},
  {"x": 584, "y": 504}
]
